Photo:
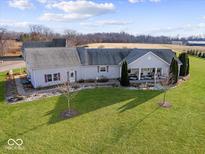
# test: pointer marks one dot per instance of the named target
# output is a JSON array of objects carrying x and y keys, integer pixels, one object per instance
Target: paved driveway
[{"x": 11, "y": 63}]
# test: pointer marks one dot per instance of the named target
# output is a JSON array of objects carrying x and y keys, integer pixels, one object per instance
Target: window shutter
[
  {"x": 46, "y": 80},
  {"x": 107, "y": 68},
  {"x": 98, "y": 69}
]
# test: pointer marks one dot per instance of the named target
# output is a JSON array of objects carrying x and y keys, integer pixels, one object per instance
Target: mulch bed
[
  {"x": 69, "y": 113},
  {"x": 165, "y": 105}
]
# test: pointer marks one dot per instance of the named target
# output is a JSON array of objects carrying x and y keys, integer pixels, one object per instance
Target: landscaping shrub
[
  {"x": 103, "y": 79},
  {"x": 90, "y": 80},
  {"x": 115, "y": 85},
  {"x": 197, "y": 53},
  {"x": 124, "y": 81},
  {"x": 173, "y": 73},
  {"x": 81, "y": 81},
  {"x": 184, "y": 69},
  {"x": 188, "y": 67},
  {"x": 200, "y": 54}
]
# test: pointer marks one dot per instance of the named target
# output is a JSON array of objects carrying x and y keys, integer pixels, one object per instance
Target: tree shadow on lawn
[
  {"x": 132, "y": 127},
  {"x": 142, "y": 97},
  {"x": 90, "y": 100}
]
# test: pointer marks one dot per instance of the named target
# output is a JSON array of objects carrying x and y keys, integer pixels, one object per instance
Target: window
[
  {"x": 56, "y": 77},
  {"x": 102, "y": 69},
  {"x": 48, "y": 77},
  {"x": 71, "y": 74},
  {"x": 159, "y": 71}
]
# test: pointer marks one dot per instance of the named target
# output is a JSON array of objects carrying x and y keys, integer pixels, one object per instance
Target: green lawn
[{"x": 112, "y": 120}]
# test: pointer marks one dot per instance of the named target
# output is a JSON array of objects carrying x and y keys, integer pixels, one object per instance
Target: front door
[{"x": 72, "y": 76}]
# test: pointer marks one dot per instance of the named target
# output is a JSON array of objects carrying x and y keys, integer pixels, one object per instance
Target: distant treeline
[
  {"x": 40, "y": 32},
  {"x": 75, "y": 38}
]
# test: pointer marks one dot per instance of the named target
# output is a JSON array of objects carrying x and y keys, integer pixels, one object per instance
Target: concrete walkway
[{"x": 19, "y": 87}]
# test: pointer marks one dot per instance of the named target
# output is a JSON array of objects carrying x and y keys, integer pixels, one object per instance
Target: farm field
[
  {"x": 111, "y": 120},
  {"x": 143, "y": 45},
  {"x": 14, "y": 48}
]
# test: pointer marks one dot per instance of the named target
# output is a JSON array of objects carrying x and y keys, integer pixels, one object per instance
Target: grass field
[
  {"x": 112, "y": 120},
  {"x": 143, "y": 45}
]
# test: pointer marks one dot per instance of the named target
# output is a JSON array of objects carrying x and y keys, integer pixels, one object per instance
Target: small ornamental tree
[
  {"x": 165, "y": 84},
  {"x": 184, "y": 69},
  {"x": 188, "y": 67},
  {"x": 173, "y": 73},
  {"x": 64, "y": 88},
  {"x": 124, "y": 81}
]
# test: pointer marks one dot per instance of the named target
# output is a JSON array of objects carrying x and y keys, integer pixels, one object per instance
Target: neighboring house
[
  {"x": 196, "y": 43},
  {"x": 51, "y": 66}
]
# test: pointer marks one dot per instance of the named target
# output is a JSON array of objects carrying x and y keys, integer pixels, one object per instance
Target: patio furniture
[{"x": 133, "y": 77}]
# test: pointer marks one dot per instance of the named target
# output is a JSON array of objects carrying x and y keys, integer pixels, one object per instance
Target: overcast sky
[{"x": 155, "y": 17}]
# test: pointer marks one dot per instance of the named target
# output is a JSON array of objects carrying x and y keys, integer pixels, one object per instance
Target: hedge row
[{"x": 196, "y": 53}]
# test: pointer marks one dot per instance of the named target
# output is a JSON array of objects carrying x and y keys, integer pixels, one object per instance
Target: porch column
[
  {"x": 139, "y": 77},
  {"x": 155, "y": 71},
  {"x": 155, "y": 76}
]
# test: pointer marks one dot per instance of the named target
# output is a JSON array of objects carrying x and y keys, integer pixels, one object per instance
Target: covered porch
[{"x": 145, "y": 74}]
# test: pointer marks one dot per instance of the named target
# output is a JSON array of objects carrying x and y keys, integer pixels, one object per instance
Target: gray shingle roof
[
  {"x": 165, "y": 54},
  {"x": 90, "y": 56},
  {"x": 39, "y": 58},
  {"x": 96, "y": 56},
  {"x": 42, "y": 58}
]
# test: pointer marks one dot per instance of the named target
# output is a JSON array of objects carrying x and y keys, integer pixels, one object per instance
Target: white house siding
[
  {"x": 91, "y": 72},
  {"x": 30, "y": 73},
  {"x": 38, "y": 76},
  {"x": 150, "y": 60},
  {"x": 83, "y": 72}
]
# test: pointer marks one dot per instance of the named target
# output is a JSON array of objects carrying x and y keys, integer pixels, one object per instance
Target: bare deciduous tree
[
  {"x": 165, "y": 84},
  {"x": 72, "y": 37},
  {"x": 65, "y": 89},
  {"x": 3, "y": 40},
  {"x": 40, "y": 32}
]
